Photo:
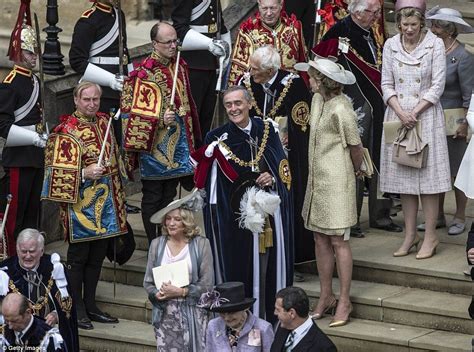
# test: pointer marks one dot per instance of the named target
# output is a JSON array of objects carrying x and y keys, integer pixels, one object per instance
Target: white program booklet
[{"x": 176, "y": 272}]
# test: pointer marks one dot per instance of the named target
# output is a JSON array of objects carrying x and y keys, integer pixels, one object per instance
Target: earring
[{"x": 399, "y": 27}]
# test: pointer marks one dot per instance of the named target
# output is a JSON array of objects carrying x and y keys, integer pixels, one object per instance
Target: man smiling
[{"x": 246, "y": 147}]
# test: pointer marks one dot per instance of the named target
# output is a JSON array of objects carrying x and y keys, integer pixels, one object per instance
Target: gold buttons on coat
[
  {"x": 418, "y": 80},
  {"x": 401, "y": 96},
  {"x": 416, "y": 95},
  {"x": 400, "y": 80},
  {"x": 400, "y": 64}
]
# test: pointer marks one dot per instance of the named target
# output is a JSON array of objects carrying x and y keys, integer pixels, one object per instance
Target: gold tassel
[
  {"x": 261, "y": 243},
  {"x": 265, "y": 239}
]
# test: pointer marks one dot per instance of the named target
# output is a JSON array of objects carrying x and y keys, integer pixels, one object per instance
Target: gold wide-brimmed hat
[{"x": 330, "y": 69}]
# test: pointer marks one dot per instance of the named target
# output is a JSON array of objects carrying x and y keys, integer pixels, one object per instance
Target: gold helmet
[
  {"x": 28, "y": 39},
  {"x": 23, "y": 36}
]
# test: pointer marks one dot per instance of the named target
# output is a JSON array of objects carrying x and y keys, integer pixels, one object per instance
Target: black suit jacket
[{"x": 314, "y": 341}]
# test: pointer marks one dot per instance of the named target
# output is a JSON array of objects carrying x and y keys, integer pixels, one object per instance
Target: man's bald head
[{"x": 16, "y": 311}]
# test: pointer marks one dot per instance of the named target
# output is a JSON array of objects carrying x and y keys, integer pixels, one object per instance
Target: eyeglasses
[
  {"x": 169, "y": 42},
  {"x": 375, "y": 12}
]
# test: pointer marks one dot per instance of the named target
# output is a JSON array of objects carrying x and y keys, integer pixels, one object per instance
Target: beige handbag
[{"x": 409, "y": 149}]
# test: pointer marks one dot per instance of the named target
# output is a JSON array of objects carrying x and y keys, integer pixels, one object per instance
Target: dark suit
[
  {"x": 36, "y": 335},
  {"x": 314, "y": 341},
  {"x": 23, "y": 165},
  {"x": 202, "y": 63}
]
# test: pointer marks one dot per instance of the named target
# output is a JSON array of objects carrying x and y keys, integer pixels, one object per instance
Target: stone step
[
  {"x": 402, "y": 305},
  {"x": 130, "y": 302},
  {"x": 373, "y": 262},
  {"x": 372, "y": 301},
  {"x": 367, "y": 335},
  {"x": 126, "y": 336},
  {"x": 359, "y": 335}
]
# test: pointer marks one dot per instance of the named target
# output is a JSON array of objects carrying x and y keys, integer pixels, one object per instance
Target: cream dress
[{"x": 330, "y": 202}]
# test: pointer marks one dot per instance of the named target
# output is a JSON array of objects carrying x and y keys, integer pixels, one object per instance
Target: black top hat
[{"x": 228, "y": 297}]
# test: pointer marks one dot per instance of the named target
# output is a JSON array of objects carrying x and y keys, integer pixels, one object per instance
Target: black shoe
[
  {"x": 392, "y": 227},
  {"x": 298, "y": 277},
  {"x": 85, "y": 324},
  {"x": 131, "y": 209},
  {"x": 356, "y": 232},
  {"x": 102, "y": 317}
]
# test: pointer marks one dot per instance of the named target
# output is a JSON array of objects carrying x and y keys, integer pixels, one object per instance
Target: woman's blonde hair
[
  {"x": 190, "y": 227},
  {"x": 330, "y": 85},
  {"x": 410, "y": 12}
]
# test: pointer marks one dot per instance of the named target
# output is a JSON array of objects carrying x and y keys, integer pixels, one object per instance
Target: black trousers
[
  {"x": 84, "y": 264},
  {"x": 203, "y": 88},
  {"x": 24, "y": 184},
  {"x": 157, "y": 194}
]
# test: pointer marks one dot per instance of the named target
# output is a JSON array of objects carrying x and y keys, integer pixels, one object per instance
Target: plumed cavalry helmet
[{"x": 23, "y": 35}]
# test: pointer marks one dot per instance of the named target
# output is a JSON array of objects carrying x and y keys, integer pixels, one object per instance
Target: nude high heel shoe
[
  {"x": 429, "y": 254},
  {"x": 402, "y": 253},
  {"x": 338, "y": 323},
  {"x": 330, "y": 307}
]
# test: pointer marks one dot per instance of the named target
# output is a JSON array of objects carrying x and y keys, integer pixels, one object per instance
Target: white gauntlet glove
[
  {"x": 21, "y": 136},
  {"x": 217, "y": 47},
  {"x": 40, "y": 140},
  {"x": 102, "y": 77}
]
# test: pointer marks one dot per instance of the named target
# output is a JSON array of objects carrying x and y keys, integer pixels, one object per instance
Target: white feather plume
[{"x": 254, "y": 206}]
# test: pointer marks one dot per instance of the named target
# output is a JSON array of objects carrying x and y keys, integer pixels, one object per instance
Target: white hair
[
  {"x": 268, "y": 57},
  {"x": 30, "y": 234},
  {"x": 357, "y": 6}
]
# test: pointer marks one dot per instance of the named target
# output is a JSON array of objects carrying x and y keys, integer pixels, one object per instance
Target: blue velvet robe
[{"x": 232, "y": 246}]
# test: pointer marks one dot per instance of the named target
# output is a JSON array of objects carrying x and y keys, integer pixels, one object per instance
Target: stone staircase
[{"x": 400, "y": 304}]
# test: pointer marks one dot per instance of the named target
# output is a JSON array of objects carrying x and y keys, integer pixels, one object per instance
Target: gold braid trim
[
  {"x": 278, "y": 103},
  {"x": 43, "y": 299},
  {"x": 261, "y": 149}
]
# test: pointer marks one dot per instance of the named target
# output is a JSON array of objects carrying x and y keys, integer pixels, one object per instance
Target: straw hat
[
  {"x": 193, "y": 201},
  {"x": 417, "y": 4},
  {"x": 330, "y": 69},
  {"x": 450, "y": 15}
]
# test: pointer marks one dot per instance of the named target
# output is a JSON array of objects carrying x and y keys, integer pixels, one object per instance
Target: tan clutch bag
[
  {"x": 391, "y": 130},
  {"x": 453, "y": 118}
]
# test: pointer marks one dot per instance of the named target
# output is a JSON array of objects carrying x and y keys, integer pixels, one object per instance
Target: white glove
[
  {"x": 226, "y": 38},
  {"x": 117, "y": 83},
  {"x": 217, "y": 47},
  {"x": 102, "y": 77},
  {"x": 21, "y": 136},
  {"x": 40, "y": 140}
]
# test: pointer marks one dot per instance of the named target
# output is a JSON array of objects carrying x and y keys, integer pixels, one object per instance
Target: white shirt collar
[
  {"x": 271, "y": 80},
  {"x": 247, "y": 128},
  {"x": 301, "y": 331},
  {"x": 23, "y": 332}
]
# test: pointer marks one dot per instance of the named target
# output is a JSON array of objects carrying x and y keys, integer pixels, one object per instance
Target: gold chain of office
[
  {"x": 278, "y": 103},
  {"x": 261, "y": 149},
  {"x": 43, "y": 299}
]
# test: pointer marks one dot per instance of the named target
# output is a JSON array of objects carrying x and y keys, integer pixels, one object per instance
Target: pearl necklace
[
  {"x": 450, "y": 47},
  {"x": 418, "y": 43}
]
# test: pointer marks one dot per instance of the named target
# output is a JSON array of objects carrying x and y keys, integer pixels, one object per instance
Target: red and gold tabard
[
  {"x": 286, "y": 37},
  {"x": 89, "y": 209},
  {"x": 164, "y": 152}
]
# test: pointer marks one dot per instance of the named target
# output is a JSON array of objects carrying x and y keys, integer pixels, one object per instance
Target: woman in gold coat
[{"x": 329, "y": 209}]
